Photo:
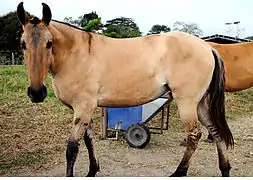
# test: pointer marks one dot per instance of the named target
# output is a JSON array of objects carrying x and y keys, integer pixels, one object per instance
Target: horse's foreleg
[
  {"x": 82, "y": 120},
  {"x": 89, "y": 142},
  {"x": 71, "y": 154},
  {"x": 188, "y": 114}
]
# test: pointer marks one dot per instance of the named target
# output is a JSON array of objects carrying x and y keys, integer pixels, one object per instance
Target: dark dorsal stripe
[
  {"x": 70, "y": 25},
  {"x": 75, "y": 27}
]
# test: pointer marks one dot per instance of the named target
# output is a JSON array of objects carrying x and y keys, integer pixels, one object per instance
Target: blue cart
[{"x": 133, "y": 121}]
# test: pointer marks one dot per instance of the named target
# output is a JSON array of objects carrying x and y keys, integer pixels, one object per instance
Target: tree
[
  {"x": 93, "y": 25},
  {"x": 250, "y": 38},
  {"x": 69, "y": 20},
  {"x": 10, "y": 32},
  {"x": 157, "y": 29},
  {"x": 191, "y": 28},
  {"x": 121, "y": 27},
  {"x": 84, "y": 20}
]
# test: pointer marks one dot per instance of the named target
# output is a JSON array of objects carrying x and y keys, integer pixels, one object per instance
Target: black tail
[{"x": 216, "y": 100}]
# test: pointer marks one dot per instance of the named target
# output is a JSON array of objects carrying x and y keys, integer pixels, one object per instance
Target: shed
[{"x": 223, "y": 39}]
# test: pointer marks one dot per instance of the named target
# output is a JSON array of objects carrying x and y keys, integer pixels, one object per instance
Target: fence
[{"x": 11, "y": 57}]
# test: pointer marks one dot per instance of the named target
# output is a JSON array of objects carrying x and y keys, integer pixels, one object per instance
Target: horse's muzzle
[{"x": 37, "y": 94}]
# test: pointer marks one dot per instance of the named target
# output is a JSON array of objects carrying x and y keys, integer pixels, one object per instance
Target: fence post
[
  {"x": 103, "y": 122},
  {"x": 12, "y": 58}
]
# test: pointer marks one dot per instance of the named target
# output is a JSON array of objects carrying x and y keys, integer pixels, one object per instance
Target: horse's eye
[
  {"x": 23, "y": 45},
  {"x": 49, "y": 44}
]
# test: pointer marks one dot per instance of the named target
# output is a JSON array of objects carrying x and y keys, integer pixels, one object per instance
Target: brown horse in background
[
  {"x": 90, "y": 70},
  {"x": 238, "y": 63}
]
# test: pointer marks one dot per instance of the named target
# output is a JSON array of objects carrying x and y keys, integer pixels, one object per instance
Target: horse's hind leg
[
  {"x": 188, "y": 114},
  {"x": 203, "y": 115}
]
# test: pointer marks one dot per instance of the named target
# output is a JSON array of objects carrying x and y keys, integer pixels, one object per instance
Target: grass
[{"x": 34, "y": 135}]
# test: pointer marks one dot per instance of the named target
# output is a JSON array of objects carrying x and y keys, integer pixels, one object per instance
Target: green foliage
[
  {"x": 191, "y": 28},
  {"x": 10, "y": 32},
  {"x": 250, "y": 38},
  {"x": 121, "y": 28},
  {"x": 157, "y": 29},
  {"x": 82, "y": 21},
  {"x": 117, "y": 28},
  {"x": 112, "y": 34},
  {"x": 93, "y": 25}
]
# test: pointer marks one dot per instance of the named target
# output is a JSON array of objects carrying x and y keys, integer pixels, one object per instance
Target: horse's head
[{"x": 36, "y": 42}]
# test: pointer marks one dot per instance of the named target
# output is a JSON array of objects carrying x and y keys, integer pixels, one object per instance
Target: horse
[
  {"x": 236, "y": 56},
  {"x": 238, "y": 62},
  {"x": 90, "y": 70}
]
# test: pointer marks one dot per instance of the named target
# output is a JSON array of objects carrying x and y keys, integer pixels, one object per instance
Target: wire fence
[{"x": 11, "y": 57}]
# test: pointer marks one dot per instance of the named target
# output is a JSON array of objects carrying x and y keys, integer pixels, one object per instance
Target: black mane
[{"x": 65, "y": 23}]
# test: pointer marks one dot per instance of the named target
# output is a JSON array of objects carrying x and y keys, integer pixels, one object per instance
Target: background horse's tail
[{"x": 216, "y": 100}]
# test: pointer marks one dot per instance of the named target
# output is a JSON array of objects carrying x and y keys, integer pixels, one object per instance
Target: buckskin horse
[{"x": 91, "y": 70}]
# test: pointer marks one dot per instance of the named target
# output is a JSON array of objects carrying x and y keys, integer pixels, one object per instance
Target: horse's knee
[
  {"x": 79, "y": 128},
  {"x": 193, "y": 137}
]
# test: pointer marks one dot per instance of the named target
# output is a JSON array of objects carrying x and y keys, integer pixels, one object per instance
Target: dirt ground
[{"x": 160, "y": 158}]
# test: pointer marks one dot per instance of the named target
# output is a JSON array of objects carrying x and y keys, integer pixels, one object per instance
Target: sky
[{"x": 210, "y": 15}]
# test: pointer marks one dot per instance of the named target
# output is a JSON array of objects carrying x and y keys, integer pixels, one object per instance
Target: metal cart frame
[{"x": 164, "y": 120}]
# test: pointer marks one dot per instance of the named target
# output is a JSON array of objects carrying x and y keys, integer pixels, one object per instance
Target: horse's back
[{"x": 148, "y": 64}]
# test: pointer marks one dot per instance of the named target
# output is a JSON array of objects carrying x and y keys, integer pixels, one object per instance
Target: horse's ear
[
  {"x": 22, "y": 15},
  {"x": 47, "y": 15}
]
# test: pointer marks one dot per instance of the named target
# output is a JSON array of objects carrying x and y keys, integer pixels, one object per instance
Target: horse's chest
[{"x": 62, "y": 94}]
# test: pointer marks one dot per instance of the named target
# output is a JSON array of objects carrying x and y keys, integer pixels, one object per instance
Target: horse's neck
[{"x": 65, "y": 39}]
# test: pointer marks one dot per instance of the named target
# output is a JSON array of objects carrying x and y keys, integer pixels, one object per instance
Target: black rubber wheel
[{"x": 137, "y": 135}]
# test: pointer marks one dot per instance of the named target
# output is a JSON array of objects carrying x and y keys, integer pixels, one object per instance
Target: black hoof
[
  {"x": 225, "y": 171},
  {"x": 91, "y": 174},
  {"x": 179, "y": 173},
  {"x": 176, "y": 175},
  {"x": 225, "y": 174},
  {"x": 93, "y": 171},
  {"x": 69, "y": 175}
]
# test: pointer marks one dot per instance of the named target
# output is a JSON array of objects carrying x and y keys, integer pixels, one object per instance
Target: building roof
[{"x": 223, "y": 39}]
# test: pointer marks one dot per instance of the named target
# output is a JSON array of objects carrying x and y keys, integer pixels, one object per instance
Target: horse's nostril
[
  {"x": 37, "y": 94},
  {"x": 29, "y": 92},
  {"x": 44, "y": 91}
]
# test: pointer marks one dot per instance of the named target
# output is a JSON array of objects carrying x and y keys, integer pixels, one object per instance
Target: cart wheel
[{"x": 137, "y": 135}]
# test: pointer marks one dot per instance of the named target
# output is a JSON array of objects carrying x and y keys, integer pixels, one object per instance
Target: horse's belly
[{"x": 131, "y": 97}]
